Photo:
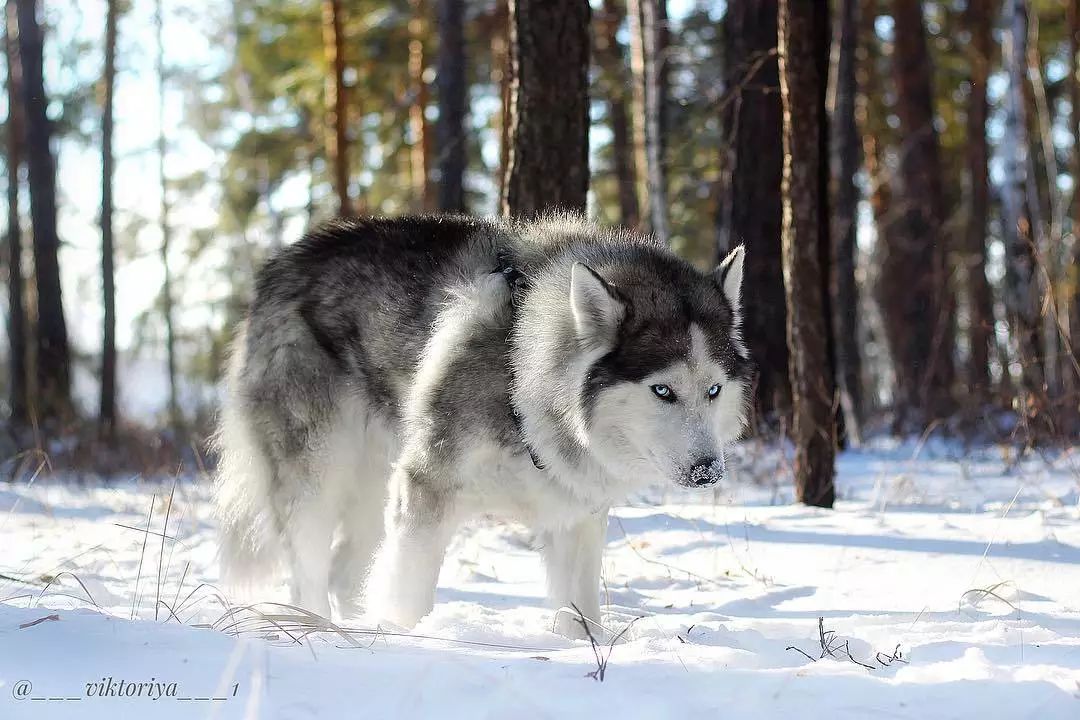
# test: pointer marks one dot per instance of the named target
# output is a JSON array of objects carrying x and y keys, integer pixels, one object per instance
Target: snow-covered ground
[{"x": 954, "y": 578}]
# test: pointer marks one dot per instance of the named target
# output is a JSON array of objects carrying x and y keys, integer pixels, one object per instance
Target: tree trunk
[
  {"x": 1073, "y": 281},
  {"x": 18, "y": 379},
  {"x": 845, "y": 162},
  {"x": 107, "y": 414},
  {"x": 337, "y": 138},
  {"x": 653, "y": 29},
  {"x": 610, "y": 55},
  {"x": 501, "y": 73},
  {"x": 750, "y": 210},
  {"x": 638, "y": 108},
  {"x": 53, "y": 364},
  {"x": 1022, "y": 287},
  {"x": 452, "y": 105},
  {"x": 549, "y": 154},
  {"x": 804, "y": 68},
  {"x": 919, "y": 312},
  {"x": 175, "y": 419},
  {"x": 980, "y": 298},
  {"x": 420, "y": 151}
]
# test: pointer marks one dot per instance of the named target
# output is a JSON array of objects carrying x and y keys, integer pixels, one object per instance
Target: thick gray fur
[{"x": 397, "y": 377}]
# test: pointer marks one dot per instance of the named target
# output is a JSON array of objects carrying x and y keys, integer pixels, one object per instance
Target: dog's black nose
[{"x": 706, "y": 471}]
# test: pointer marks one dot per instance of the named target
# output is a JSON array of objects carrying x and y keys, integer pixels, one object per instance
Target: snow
[{"x": 968, "y": 561}]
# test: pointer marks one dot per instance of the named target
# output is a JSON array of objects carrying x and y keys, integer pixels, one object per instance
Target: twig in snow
[
  {"x": 832, "y": 646},
  {"x": 602, "y": 658},
  {"x": 896, "y": 656}
]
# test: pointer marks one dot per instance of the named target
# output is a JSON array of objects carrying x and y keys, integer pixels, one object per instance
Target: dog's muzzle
[{"x": 705, "y": 472}]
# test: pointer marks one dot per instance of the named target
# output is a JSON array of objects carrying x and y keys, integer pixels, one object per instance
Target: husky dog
[{"x": 397, "y": 377}]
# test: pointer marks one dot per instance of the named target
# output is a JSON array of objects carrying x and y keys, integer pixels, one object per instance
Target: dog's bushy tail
[{"x": 249, "y": 529}]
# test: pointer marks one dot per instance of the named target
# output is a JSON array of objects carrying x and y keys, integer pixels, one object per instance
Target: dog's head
[{"x": 668, "y": 378}]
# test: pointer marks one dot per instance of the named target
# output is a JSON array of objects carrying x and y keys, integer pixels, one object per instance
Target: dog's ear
[
  {"x": 728, "y": 275},
  {"x": 596, "y": 306}
]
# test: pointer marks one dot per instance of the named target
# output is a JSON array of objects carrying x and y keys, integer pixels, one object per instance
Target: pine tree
[
  {"x": 166, "y": 229},
  {"x": 918, "y": 305},
  {"x": 845, "y": 164},
  {"x": 452, "y": 105},
  {"x": 803, "y": 63},
  {"x": 616, "y": 80},
  {"x": 750, "y": 208},
  {"x": 1022, "y": 287},
  {"x": 53, "y": 364},
  {"x": 549, "y": 150},
  {"x": 980, "y": 299},
  {"x": 337, "y": 103},
  {"x": 107, "y": 412},
  {"x": 17, "y": 330}
]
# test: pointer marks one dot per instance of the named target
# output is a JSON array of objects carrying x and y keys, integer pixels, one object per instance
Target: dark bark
[
  {"x": 450, "y": 131},
  {"x": 502, "y": 72},
  {"x": 845, "y": 161},
  {"x": 804, "y": 66},
  {"x": 980, "y": 299},
  {"x": 337, "y": 145},
  {"x": 17, "y": 375},
  {"x": 617, "y": 81},
  {"x": 1074, "y": 123},
  {"x": 1022, "y": 296},
  {"x": 107, "y": 414},
  {"x": 654, "y": 45},
  {"x": 750, "y": 208},
  {"x": 53, "y": 364},
  {"x": 549, "y": 153},
  {"x": 918, "y": 307}
]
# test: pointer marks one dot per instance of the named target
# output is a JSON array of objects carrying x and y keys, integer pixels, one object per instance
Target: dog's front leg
[
  {"x": 572, "y": 556},
  {"x": 402, "y": 580}
]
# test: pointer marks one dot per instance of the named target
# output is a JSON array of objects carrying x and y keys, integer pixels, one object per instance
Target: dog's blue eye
[
  {"x": 663, "y": 392},
  {"x": 714, "y": 391}
]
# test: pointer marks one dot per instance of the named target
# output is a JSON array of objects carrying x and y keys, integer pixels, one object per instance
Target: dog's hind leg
[
  {"x": 360, "y": 531},
  {"x": 309, "y": 522},
  {"x": 572, "y": 558},
  {"x": 401, "y": 585},
  {"x": 358, "y": 466}
]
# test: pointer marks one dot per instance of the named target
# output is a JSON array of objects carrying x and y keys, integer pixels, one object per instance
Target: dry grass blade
[
  {"x": 981, "y": 594},
  {"x": 142, "y": 555},
  {"x": 74, "y": 577},
  {"x": 161, "y": 553}
]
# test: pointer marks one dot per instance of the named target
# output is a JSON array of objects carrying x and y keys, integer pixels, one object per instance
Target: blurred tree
[
  {"x": 639, "y": 111},
  {"x": 420, "y": 154},
  {"x": 337, "y": 137},
  {"x": 549, "y": 152},
  {"x": 53, "y": 364},
  {"x": 750, "y": 208},
  {"x": 917, "y": 306},
  {"x": 452, "y": 105},
  {"x": 649, "y": 20},
  {"x": 804, "y": 68},
  {"x": 1073, "y": 268},
  {"x": 1022, "y": 287},
  {"x": 17, "y": 326},
  {"x": 502, "y": 72},
  {"x": 845, "y": 194},
  {"x": 980, "y": 300},
  {"x": 610, "y": 57},
  {"x": 175, "y": 419},
  {"x": 107, "y": 410}
]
